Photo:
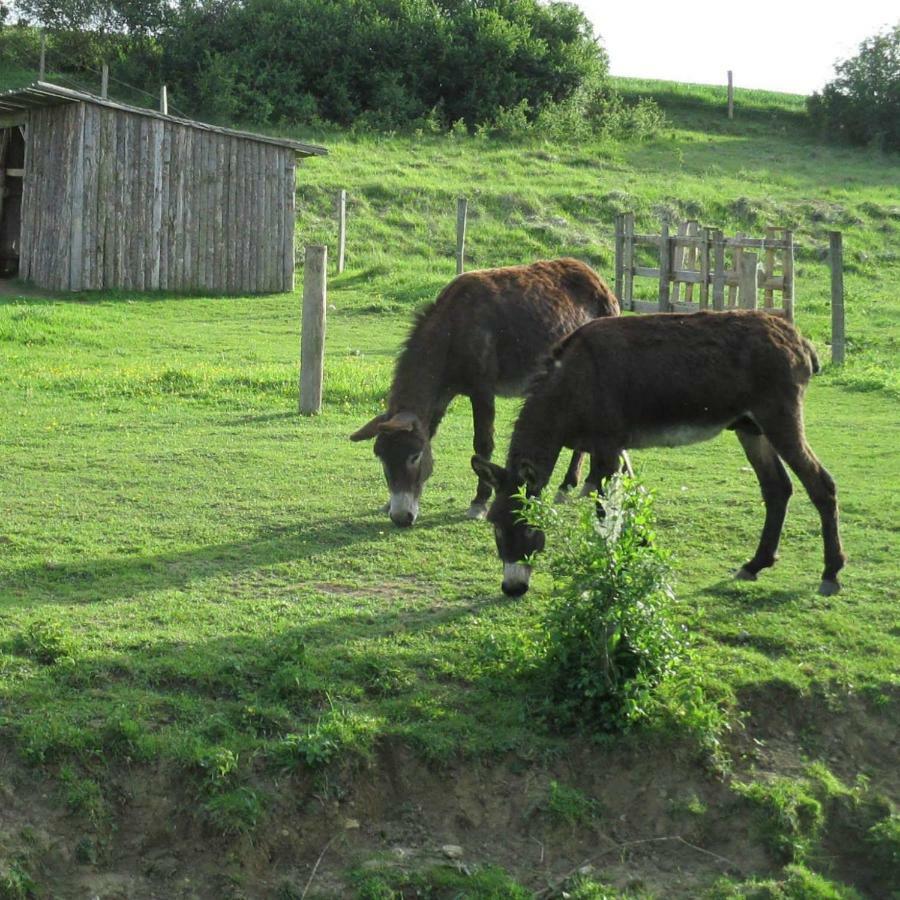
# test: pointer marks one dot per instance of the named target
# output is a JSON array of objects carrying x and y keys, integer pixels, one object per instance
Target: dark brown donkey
[
  {"x": 484, "y": 335},
  {"x": 662, "y": 381}
]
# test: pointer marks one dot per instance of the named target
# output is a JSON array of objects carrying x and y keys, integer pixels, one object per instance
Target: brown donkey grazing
[
  {"x": 662, "y": 381},
  {"x": 485, "y": 335}
]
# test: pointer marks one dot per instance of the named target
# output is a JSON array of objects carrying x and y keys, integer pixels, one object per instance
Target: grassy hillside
[{"x": 224, "y": 673}]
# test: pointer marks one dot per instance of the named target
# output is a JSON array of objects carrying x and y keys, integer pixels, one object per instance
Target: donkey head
[
  {"x": 404, "y": 448},
  {"x": 516, "y": 539}
]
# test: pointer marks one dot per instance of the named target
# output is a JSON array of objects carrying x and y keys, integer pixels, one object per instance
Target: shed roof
[{"x": 42, "y": 93}]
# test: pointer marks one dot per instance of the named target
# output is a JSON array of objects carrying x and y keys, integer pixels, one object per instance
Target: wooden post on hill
[
  {"x": 342, "y": 228},
  {"x": 312, "y": 337},
  {"x": 104, "y": 82},
  {"x": 164, "y": 100},
  {"x": 836, "y": 261},
  {"x": 462, "y": 206},
  {"x": 730, "y": 94},
  {"x": 42, "y": 66}
]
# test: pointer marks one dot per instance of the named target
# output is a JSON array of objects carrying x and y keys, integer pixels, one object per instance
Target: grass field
[{"x": 217, "y": 657}]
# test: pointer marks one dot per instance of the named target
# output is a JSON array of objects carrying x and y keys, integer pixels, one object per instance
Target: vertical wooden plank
[
  {"x": 240, "y": 249},
  {"x": 265, "y": 225},
  {"x": 707, "y": 235},
  {"x": 101, "y": 196},
  {"x": 747, "y": 274},
  {"x": 290, "y": 189},
  {"x": 146, "y": 177},
  {"x": 42, "y": 65},
  {"x": 462, "y": 208},
  {"x": 628, "y": 260},
  {"x": 165, "y": 227},
  {"x": 125, "y": 145},
  {"x": 342, "y": 228},
  {"x": 277, "y": 218},
  {"x": 218, "y": 278},
  {"x": 737, "y": 253},
  {"x": 231, "y": 232},
  {"x": 155, "y": 176},
  {"x": 188, "y": 185},
  {"x": 89, "y": 251},
  {"x": 110, "y": 199},
  {"x": 679, "y": 256},
  {"x": 104, "y": 82},
  {"x": 665, "y": 264},
  {"x": 253, "y": 216},
  {"x": 692, "y": 255},
  {"x": 730, "y": 94},
  {"x": 769, "y": 269},
  {"x": 203, "y": 208},
  {"x": 76, "y": 234},
  {"x": 27, "y": 200},
  {"x": 719, "y": 270},
  {"x": 836, "y": 262},
  {"x": 788, "y": 269},
  {"x": 619, "y": 240},
  {"x": 164, "y": 99},
  {"x": 312, "y": 340}
]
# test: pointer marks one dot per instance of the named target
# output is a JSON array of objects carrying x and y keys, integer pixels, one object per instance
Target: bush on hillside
[{"x": 862, "y": 104}]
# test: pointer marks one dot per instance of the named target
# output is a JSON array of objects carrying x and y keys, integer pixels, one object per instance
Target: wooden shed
[{"x": 99, "y": 194}]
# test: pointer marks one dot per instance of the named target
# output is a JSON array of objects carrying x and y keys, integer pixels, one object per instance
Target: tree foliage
[
  {"x": 862, "y": 104},
  {"x": 384, "y": 62}
]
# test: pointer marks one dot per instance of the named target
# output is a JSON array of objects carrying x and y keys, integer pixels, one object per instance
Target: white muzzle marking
[
  {"x": 403, "y": 504},
  {"x": 516, "y": 574}
]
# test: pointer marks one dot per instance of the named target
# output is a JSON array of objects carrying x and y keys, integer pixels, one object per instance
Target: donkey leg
[
  {"x": 790, "y": 443},
  {"x": 775, "y": 484},
  {"x": 483, "y": 421},
  {"x": 571, "y": 477}
]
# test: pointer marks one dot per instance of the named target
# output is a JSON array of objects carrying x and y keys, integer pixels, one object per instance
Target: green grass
[{"x": 194, "y": 577}]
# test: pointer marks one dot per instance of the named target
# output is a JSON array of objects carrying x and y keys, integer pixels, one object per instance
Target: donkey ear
[
  {"x": 370, "y": 429},
  {"x": 490, "y": 472},
  {"x": 401, "y": 421}
]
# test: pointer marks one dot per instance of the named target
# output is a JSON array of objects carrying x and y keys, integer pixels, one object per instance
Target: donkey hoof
[
  {"x": 477, "y": 511},
  {"x": 744, "y": 574},
  {"x": 561, "y": 496},
  {"x": 829, "y": 588},
  {"x": 386, "y": 508},
  {"x": 587, "y": 489}
]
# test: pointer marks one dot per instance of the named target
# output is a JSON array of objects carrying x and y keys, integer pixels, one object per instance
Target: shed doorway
[{"x": 12, "y": 171}]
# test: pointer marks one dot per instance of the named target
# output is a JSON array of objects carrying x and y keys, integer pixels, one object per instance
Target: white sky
[{"x": 779, "y": 46}]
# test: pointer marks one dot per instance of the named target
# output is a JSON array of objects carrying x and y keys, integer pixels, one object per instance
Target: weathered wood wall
[{"x": 114, "y": 199}]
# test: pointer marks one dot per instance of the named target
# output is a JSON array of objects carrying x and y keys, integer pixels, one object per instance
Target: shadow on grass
[{"x": 98, "y": 580}]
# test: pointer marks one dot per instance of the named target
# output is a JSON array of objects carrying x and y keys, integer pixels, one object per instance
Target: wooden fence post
[
  {"x": 342, "y": 228},
  {"x": 462, "y": 206},
  {"x": 836, "y": 261},
  {"x": 730, "y": 94},
  {"x": 747, "y": 281},
  {"x": 787, "y": 269},
  {"x": 312, "y": 338},
  {"x": 628, "y": 260},
  {"x": 104, "y": 82},
  {"x": 163, "y": 100},
  {"x": 42, "y": 66},
  {"x": 620, "y": 243},
  {"x": 665, "y": 258}
]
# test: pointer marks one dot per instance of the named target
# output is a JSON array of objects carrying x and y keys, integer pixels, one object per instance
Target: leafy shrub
[
  {"x": 862, "y": 104},
  {"x": 608, "y": 637}
]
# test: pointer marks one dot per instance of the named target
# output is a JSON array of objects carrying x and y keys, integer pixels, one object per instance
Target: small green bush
[{"x": 608, "y": 635}]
